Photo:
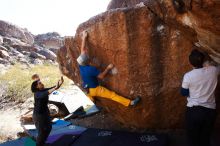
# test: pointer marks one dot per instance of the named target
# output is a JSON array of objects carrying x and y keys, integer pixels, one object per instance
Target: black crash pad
[{"x": 99, "y": 137}]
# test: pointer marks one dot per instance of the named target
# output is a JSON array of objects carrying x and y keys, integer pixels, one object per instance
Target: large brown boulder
[
  {"x": 150, "y": 53},
  {"x": 13, "y": 31},
  {"x": 202, "y": 16}
]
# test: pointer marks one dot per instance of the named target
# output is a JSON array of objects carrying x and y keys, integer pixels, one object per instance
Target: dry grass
[{"x": 17, "y": 80}]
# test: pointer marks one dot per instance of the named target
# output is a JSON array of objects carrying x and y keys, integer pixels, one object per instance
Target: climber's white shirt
[{"x": 201, "y": 84}]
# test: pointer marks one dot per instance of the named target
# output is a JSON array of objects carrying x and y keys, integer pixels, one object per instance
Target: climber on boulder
[{"x": 91, "y": 74}]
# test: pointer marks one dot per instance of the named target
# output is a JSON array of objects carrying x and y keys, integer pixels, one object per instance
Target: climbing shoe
[{"x": 135, "y": 101}]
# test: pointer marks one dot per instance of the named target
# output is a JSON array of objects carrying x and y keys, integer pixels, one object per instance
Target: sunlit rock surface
[
  {"x": 18, "y": 45},
  {"x": 149, "y": 44},
  {"x": 49, "y": 40},
  {"x": 202, "y": 16},
  {"x": 13, "y": 31}
]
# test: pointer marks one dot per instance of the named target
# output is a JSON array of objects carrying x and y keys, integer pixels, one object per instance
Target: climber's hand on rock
[
  {"x": 110, "y": 66},
  {"x": 84, "y": 34}
]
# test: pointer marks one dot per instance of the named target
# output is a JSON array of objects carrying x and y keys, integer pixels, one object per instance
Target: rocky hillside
[
  {"x": 19, "y": 45},
  {"x": 149, "y": 44}
]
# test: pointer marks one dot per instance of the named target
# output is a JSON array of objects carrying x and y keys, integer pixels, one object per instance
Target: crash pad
[
  {"x": 57, "y": 124},
  {"x": 17, "y": 142},
  {"x": 99, "y": 137},
  {"x": 72, "y": 100}
]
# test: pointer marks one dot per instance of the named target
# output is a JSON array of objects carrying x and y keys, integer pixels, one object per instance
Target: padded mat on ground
[
  {"x": 58, "y": 124},
  {"x": 64, "y": 140},
  {"x": 72, "y": 100},
  {"x": 68, "y": 130},
  {"x": 91, "y": 110},
  {"x": 26, "y": 141},
  {"x": 98, "y": 137}
]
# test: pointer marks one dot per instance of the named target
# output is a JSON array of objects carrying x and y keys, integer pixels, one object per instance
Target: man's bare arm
[
  {"x": 105, "y": 72},
  {"x": 59, "y": 83},
  {"x": 83, "y": 48}
]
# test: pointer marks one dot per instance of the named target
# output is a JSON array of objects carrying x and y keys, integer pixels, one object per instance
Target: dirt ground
[
  {"x": 101, "y": 120},
  {"x": 10, "y": 123}
]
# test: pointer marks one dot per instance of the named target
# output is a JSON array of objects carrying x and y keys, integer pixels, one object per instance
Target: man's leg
[
  {"x": 105, "y": 93},
  {"x": 192, "y": 126},
  {"x": 207, "y": 127},
  {"x": 36, "y": 123},
  {"x": 44, "y": 130}
]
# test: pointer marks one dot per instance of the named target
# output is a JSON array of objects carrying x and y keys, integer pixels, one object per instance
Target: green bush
[{"x": 17, "y": 80}]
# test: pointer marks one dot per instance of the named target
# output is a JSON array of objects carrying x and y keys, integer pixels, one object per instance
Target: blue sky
[{"x": 41, "y": 16}]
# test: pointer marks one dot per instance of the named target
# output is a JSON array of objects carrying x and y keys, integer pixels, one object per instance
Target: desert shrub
[{"x": 16, "y": 82}]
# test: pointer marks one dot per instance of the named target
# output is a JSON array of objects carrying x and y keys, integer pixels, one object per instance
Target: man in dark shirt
[
  {"x": 91, "y": 74},
  {"x": 41, "y": 114}
]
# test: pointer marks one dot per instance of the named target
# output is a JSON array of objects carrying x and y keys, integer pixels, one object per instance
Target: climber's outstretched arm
[{"x": 83, "y": 48}]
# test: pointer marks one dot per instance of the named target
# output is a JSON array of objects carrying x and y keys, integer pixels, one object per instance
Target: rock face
[
  {"x": 188, "y": 13},
  {"x": 48, "y": 54},
  {"x": 123, "y": 3},
  {"x": 1, "y": 40},
  {"x": 18, "y": 45},
  {"x": 49, "y": 40},
  {"x": 149, "y": 45},
  {"x": 4, "y": 54},
  {"x": 36, "y": 55},
  {"x": 9, "y": 30}
]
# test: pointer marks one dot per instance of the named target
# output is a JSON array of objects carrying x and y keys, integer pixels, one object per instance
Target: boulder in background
[
  {"x": 48, "y": 54},
  {"x": 13, "y": 31},
  {"x": 49, "y": 40}
]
